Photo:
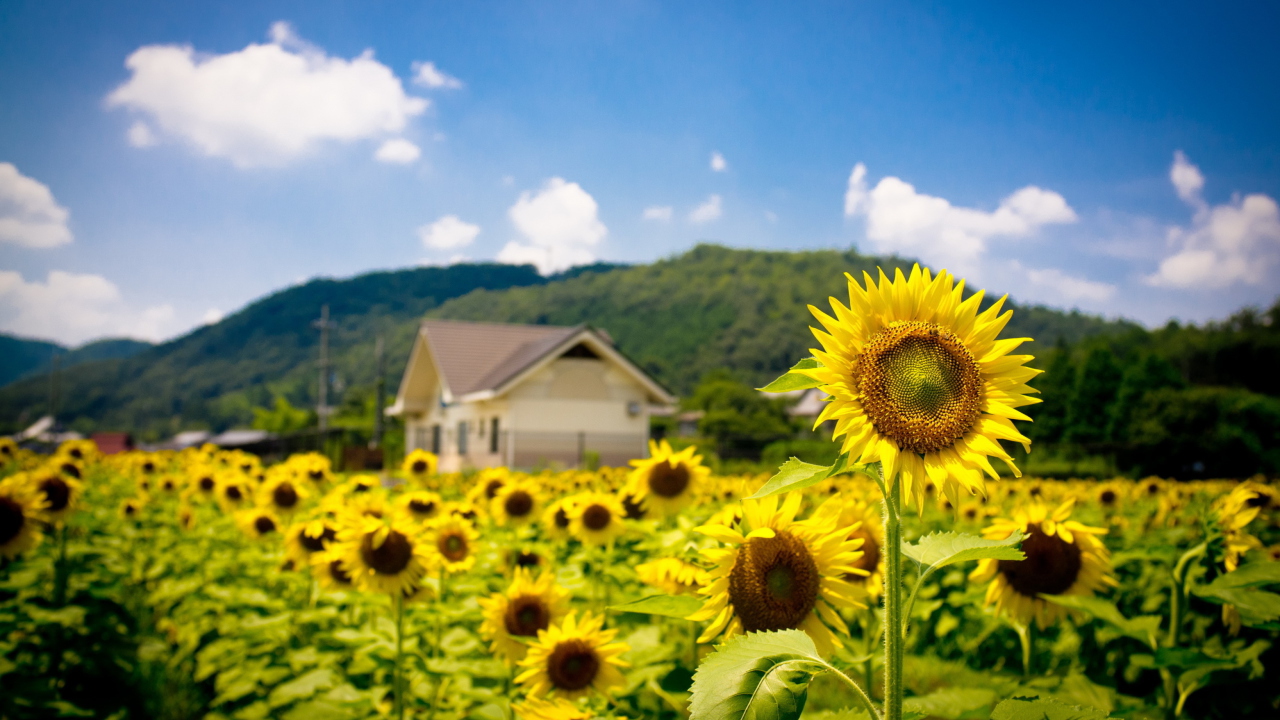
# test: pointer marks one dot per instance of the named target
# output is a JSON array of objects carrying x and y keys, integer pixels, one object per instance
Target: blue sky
[{"x": 1124, "y": 161}]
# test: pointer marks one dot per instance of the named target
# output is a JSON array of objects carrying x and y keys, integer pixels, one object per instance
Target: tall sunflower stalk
[{"x": 920, "y": 391}]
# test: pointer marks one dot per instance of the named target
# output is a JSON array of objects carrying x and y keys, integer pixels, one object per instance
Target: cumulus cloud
[
  {"x": 562, "y": 225},
  {"x": 657, "y": 212},
  {"x": 140, "y": 135},
  {"x": 73, "y": 308},
  {"x": 428, "y": 75},
  {"x": 29, "y": 216},
  {"x": 397, "y": 151},
  {"x": 1236, "y": 242},
  {"x": 1055, "y": 284},
  {"x": 447, "y": 233},
  {"x": 718, "y": 163},
  {"x": 264, "y": 105},
  {"x": 709, "y": 210},
  {"x": 903, "y": 221},
  {"x": 212, "y": 316}
]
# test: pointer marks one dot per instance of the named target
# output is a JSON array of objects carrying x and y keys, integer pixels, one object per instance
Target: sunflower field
[{"x": 910, "y": 579}]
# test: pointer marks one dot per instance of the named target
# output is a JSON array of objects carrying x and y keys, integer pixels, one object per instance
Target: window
[
  {"x": 493, "y": 437},
  {"x": 435, "y": 439},
  {"x": 462, "y": 437},
  {"x": 419, "y": 437}
]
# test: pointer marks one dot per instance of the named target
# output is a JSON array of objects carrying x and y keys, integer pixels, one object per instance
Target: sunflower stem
[
  {"x": 893, "y": 640},
  {"x": 399, "y": 677},
  {"x": 872, "y": 712}
]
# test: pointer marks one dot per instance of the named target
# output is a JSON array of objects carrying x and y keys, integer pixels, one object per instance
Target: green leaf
[
  {"x": 1254, "y": 574},
  {"x": 757, "y": 676},
  {"x": 793, "y": 379},
  {"x": 1255, "y": 606},
  {"x": 676, "y": 606},
  {"x": 938, "y": 550},
  {"x": 1022, "y": 708},
  {"x": 301, "y": 687},
  {"x": 1143, "y": 628},
  {"x": 797, "y": 475},
  {"x": 953, "y": 703}
]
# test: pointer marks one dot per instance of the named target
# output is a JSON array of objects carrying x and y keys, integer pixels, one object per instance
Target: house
[{"x": 488, "y": 394}]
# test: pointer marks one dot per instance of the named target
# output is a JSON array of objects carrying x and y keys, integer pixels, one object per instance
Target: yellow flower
[
  {"x": 303, "y": 540},
  {"x": 283, "y": 493},
  {"x": 782, "y": 574},
  {"x": 420, "y": 465},
  {"x": 672, "y": 576},
  {"x": 517, "y": 503},
  {"x": 667, "y": 481},
  {"x": 233, "y": 490},
  {"x": 862, "y": 523},
  {"x": 555, "y": 519},
  {"x": 918, "y": 381},
  {"x": 258, "y": 523},
  {"x": 80, "y": 451},
  {"x": 596, "y": 518},
  {"x": 21, "y": 511},
  {"x": 453, "y": 543},
  {"x": 385, "y": 554},
  {"x": 526, "y": 607},
  {"x": 1064, "y": 557},
  {"x": 330, "y": 571},
  {"x": 573, "y": 659},
  {"x": 61, "y": 492},
  {"x": 538, "y": 709},
  {"x": 8, "y": 450},
  {"x": 421, "y": 504}
]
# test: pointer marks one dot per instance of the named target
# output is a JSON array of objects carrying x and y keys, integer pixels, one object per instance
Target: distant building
[
  {"x": 488, "y": 394},
  {"x": 110, "y": 443}
]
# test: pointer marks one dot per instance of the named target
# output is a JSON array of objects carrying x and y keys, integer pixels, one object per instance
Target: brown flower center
[
  {"x": 919, "y": 385},
  {"x": 57, "y": 492},
  {"x": 491, "y": 489},
  {"x": 453, "y": 546},
  {"x": 206, "y": 484},
  {"x": 774, "y": 583},
  {"x": 233, "y": 493},
  {"x": 316, "y": 544},
  {"x": 70, "y": 470},
  {"x": 264, "y": 525},
  {"x": 527, "y": 559},
  {"x": 418, "y": 467},
  {"x": 561, "y": 518},
  {"x": 1108, "y": 497},
  {"x": 337, "y": 573},
  {"x": 572, "y": 665},
  {"x": 668, "y": 480},
  {"x": 870, "y": 559},
  {"x": 11, "y": 519},
  {"x": 633, "y": 510},
  {"x": 526, "y": 615},
  {"x": 518, "y": 504},
  {"x": 422, "y": 507},
  {"x": 389, "y": 558},
  {"x": 1051, "y": 567},
  {"x": 284, "y": 495},
  {"x": 596, "y": 517},
  {"x": 316, "y": 475}
]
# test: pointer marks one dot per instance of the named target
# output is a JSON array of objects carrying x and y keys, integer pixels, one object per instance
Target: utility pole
[
  {"x": 322, "y": 404},
  {"x": 380, "y": 390}
]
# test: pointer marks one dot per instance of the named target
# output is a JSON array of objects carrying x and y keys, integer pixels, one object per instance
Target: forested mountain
[
  {"x": 709, "y": 308},
  {"x": 23, "y": 357}
]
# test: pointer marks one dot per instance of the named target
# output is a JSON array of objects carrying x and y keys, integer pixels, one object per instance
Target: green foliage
[
  {"x": 736, "y": 416},
  {"x": 794, "y": 379},
  {"x": 1024, "y": 708},
  {"x": 1097, "y": 385},
  {"x": 1143, "y": 628},
  {"x": 1204, "y": 431},
  {"x": 1242, "y": 589},
  {"x": 676, "y": 606},
  {"x": 797, "y": 475},
  {"x": 938, "y": 550},
  {"x": 283, "y": 418},
  {"x": 757, "y": 676}
]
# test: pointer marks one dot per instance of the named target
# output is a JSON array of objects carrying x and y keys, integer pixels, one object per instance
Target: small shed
[{"x": 488, "y": 394}]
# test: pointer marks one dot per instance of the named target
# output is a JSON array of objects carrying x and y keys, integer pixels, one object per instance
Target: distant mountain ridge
[
  {"x": 25, "y": 357},
  {"x": 680, "y": 317}
]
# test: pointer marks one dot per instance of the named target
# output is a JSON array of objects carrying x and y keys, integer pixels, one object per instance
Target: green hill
[
  {"x": 712, "y": 307},
  {"x": 22, "y": 357}
]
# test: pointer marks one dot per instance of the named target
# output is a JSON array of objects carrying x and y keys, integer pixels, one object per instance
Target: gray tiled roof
[{"x": 482, "y": 356}]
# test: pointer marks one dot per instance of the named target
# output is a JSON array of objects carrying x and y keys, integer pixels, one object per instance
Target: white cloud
[
  {"x": 212, "y": 316},
  {"x": 903, "y": 221},
  {"x": 657, "y": 212},
  {"x": 141, "y": 136},
  {"x": 562, "y": 225},
  {"x": 1069, "y": 289},
  {"x": 706, "y": 212},
  {"x": 73, "y": 308},
  {"x": 29, "y": 216},
  {"x": 397, "y": 151},
  {"x": 718, "y": 163},
  {"x": 447, "y": 233},
  {"x": 1236, "y": 242},
  {"x": 428, "y": 75},
  {"x": 266, "y": 104}
]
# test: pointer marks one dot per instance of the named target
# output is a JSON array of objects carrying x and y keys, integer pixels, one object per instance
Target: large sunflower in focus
[
  {"x": 666, "y": 481},
  {"x": 1064, "y": 557},
  {"x": 21, "y": 510},
  {"x": 527, "y": 607},
  {"x": 919, "y": 382},
  {"x": 573, "y": 659},
  {"x": 782, "y": 574}
]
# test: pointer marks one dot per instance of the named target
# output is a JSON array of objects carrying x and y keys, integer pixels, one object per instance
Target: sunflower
[
  {"x": 538, "y": 709},
  {"x": 596, "y": 518},
  {"x": 302, "y": 541},
  {"x": 283, "y": 494},
  {"x": 517, "y": 503},
  {"x": 233, "y": 491},
  {"x": 672, "y": 576},
  {"x": 524, "y": 557},
  {"x": 8, "y": 450},
  {"x": 1109, "y": 496},
  {"x": 666, "y": 481},
  {"x": 918, "y": 382},
  {"x": 186, "y": 516},
  {"x": 420, "y": 465},
  {"x": 555, "y": 519},
  {"x": 68, "y": 467},
  {"x": 313, "y": 466},
  {"x": 573, "y": 659},
  {"x": 22, "y": 508},
  {"x": 453, "y": 543},
  {"x": 1064, "y": 557},
  {"x": 782, "y": 574},
  {"x": 527, "y": 607},
  {"x": 61, "y": 493},
  {"x": 465, "y": 510},
  {"x": 421, "y": 504},
  {"x": 81, "y": 451},
  {"x": 258, "y": 523},
  {"x": 487, "y": 485},
  {"x": 861, "y": 521},
  {"x": 329, "y": 570},
  {"x": 203, "y": 480},
  {"x": 131, "y": 508},
  {"x": 382, "y": 554}
]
